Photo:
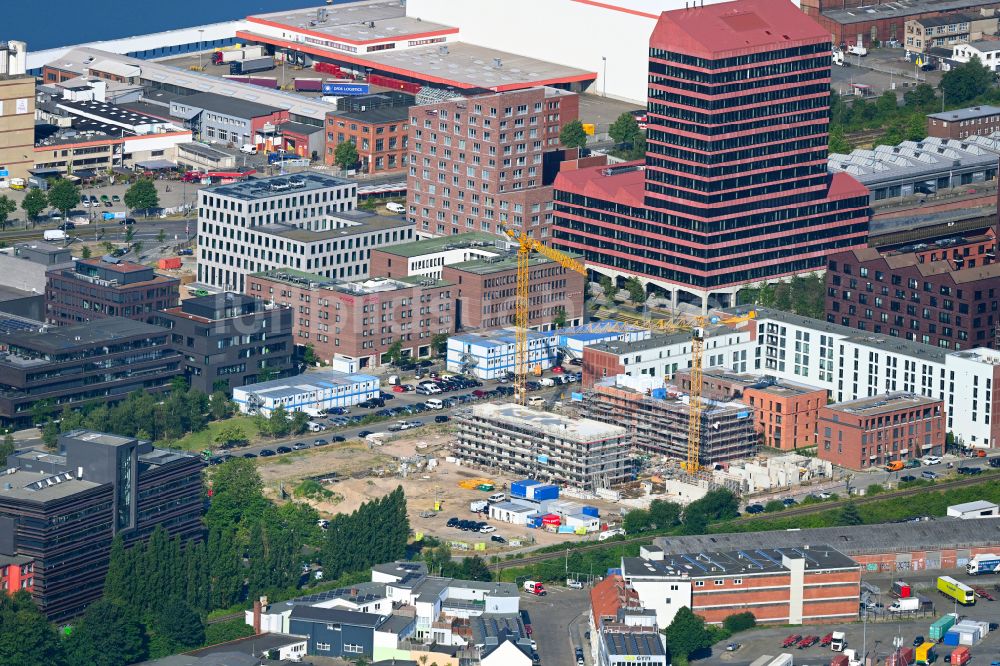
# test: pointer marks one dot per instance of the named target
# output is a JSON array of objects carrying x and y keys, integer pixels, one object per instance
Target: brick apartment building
[
  {"x": 63, "y": 510},
  {"x": 379, "y": 127},
  {"x": 230, "y": 340},
  {"x": 784, "y": 412},
  {"x": 809, "y": 585},
  {"x": 103, "y": 287},
  {"x": 928, "y": 32},
  {"x": 963, "y": 123},
  {"x": 713, "y": 206},
  {"x": 872, "y": 432},
  {"x": 484, "y": 162},
  {"x": 482, "y": 270},
  {"x": 946, "y": 294},
  {"x": 360, "y": 321}
]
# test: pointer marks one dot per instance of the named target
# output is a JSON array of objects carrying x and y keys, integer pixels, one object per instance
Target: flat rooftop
[
  {"x": 110, "y": 113},
  {"x": 307, "y": 383},
  {"x": 635, "y": 642},
  {"x": 902, "y": 9},
  {"x": 274, "y": 186},
  {"x": 926, "y": 535},
  {"x": 210, "y": 101},
  {"x": 564, "y": 427},
  {"x": 707, "y": 563},
  {"x": 33, "y": 486},
  {"x": 882, "y": 404},
  {"x": 61, "y": 339},
  {"x": 474, "y": 239},
  {"x": 364, "y": 223},
  {"x": 500, "y": 263},
  {"x": 978, "y": 505},
  {"x": 352, "y": 22}
]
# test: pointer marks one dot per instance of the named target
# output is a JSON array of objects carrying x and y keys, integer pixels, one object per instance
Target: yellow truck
[
  {"x": 955, "y": 590},
  {"x": 925, "y": 653}
]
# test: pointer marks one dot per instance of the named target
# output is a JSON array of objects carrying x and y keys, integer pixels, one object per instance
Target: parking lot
[
  {"x": 882, "y": 69},
  {"x": 558, "y": 622}
]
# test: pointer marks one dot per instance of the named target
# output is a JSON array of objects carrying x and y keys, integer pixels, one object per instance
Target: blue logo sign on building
[{"x": 345, "y": 88}]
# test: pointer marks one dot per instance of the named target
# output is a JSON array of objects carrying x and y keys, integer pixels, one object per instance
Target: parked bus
[{"x": 953, "y": 589}]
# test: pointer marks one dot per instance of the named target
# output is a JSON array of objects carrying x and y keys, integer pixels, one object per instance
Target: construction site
[
  {"x": 579, "y": 452},
  {"x": 658, "y": 420}
]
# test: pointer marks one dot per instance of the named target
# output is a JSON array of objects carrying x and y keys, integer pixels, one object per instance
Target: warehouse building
[
  {"x": 658, "y": 420},
  {"x": 313, "y": 392},
  {"x": 939, "y": 543},
  {"x": 974, "y": 510},
  {"x": 808, "y": 584},
  {"x": 579, "y": 452}
]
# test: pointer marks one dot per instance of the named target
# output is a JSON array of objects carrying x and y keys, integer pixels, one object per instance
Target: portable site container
[
  {"x": 544, "y": 492},
  {"x": 960, "y": 656},
  {"x": 520, "y": 488},
  {"x": 941, "y": 626},
  {"x": 591, "y": 511},
  {"x": 951, "y": 638}
]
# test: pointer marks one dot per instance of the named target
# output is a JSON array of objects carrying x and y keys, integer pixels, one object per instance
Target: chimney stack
[{"x": 256, "y": 617}]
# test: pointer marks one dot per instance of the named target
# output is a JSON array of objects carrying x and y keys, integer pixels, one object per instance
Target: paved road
[{"x": 558, "y": 621}]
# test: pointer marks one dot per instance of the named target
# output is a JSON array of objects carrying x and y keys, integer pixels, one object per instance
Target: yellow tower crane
[{"x": 523, "y": 287}]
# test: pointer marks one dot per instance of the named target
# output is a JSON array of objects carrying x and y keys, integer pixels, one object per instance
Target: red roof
[
  {"x": 729, "y": 28},
  {"x": 624, "y": 186}
]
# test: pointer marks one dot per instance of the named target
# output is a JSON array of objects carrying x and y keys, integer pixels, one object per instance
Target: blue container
[
  {"x": 520, "y": 488},
  {"x": 660, "y": 393},
  {"x": 591, "y": 511},
  {"x": 951, "y": 638},
  {"x": 534, "y": 521},
  {"x": 541, "y": 493},
  {"x": 614, "y": 572}
]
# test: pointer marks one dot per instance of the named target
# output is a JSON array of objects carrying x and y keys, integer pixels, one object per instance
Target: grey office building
[{"x": 220, "y": 119}]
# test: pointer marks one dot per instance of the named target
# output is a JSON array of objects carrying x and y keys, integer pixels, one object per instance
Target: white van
[
  {"x": 608, "y": 534},
  {"x": 248, "y": 149},
  {"x": 536, "y": 401},
  {"x": 497, "y": 497},
  {"x": 54, "y": 234},
  {"x": 435, "y": 403},
  {"x": 394, "y": 207}
]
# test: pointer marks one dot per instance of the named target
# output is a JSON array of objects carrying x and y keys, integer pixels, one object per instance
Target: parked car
[
  {"x": 284, "y": 449},
  {"x": 298, "y": 446},
  {"x": 791, "y": 640},
  {"x": 266, "y": 453},
  {"x": 497, "y": 538},
  {"x": 320, "y": 442},
  {"x": 733, "y": 647},
  {"x": 116, "y": 198},
  {"x": 755, "y": 508}
]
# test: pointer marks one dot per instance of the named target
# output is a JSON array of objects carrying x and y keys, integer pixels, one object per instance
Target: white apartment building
[
  {"x": 854, "y": 364},
  {"x": 306, "y": 221}
]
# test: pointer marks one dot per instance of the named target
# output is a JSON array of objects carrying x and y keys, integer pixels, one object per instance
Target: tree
[
  {"x": 966, "y": 82},
  {"x": 34, "y": 202},
  {"x": 309, "y": 356},
  {"x": 50, "y": 434},
  {"x": 7, "y": 206},
  {"x": 26, "y": 637},
  {"x": 231, "y": 435},
  {"x": 279, "y": 424},
  {"x": 7, "y": 447},
  {"x": 142, "y": 196},
  {"x": 774, "y": 506},
  {"x": 300, "y": 422},
  {"x": 559, "y": 318},
  {"x": 838, "y": 142},
  {"x": 663, "y": 514},
  {"x": 395, "y": 352},
  {"x": 63, "y": 195},
  {"x": 920, "y": 97},
  {"x": 109, "y": 634},
  {"x": 687, "y": 634},
  {"x": 849, "y": 515},
  {"x": 161, "y": 236},
  {"x": 346, "y": 155},
  {"x": 572, "y": 135},
  {"x": 219, "y": 406},
  {"x": 179, "y": 625},
  {"x": 85, "y": 252},
  {"x": 626, "y": 133},
  {"x": 439, "y": 343},
  {"x": 609, "y": 287},
  {"x": 738, "y": 622},
  {"x": 887, "y": 104},
  {"x": 129, "y": 233},
  {"x": 636, "y": 290},
  {"x": 475, "y": 568},
  {"x": 635, "y": 521}
]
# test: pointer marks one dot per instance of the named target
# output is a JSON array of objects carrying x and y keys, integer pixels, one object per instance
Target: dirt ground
[{"x": 353, "y": 460}]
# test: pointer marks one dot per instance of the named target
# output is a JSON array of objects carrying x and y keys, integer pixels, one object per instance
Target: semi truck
[
  {"x": 983, "y": 564},
  {"x": 905, "y": 605},
  {"x": 241, "y": 67},
  {"x": 232, "y": 55},
  {"x": 953, "y": 589},
  {"x": 838, "y": 641}
]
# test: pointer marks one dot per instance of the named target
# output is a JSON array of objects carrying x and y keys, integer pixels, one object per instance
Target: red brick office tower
[{"x": 734, "y": 188}]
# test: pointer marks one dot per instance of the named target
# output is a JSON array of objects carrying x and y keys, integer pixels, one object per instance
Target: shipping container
[
  {"x": 520, "y": 488},
  {"x": 545, "y": 492},
  {"x": 960, "y": 656},
  {"x": 951, "y": 638},
  {"x": 901, "y": 590},
  {"x": 252, "y": 65},
  {"x": 941, "y": 626},
  {"x": 840, "y": 660},
  {"x": 591, "y": 511},
  {"x": 309, "y": 85},
  {"x": 925, "y": 653},
  {"x": 169, "y": 263},
  {"x": 901, "y": 657},
  {"x": 328, "y": 68}
]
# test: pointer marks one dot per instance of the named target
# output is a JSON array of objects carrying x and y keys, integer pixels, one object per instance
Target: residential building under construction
[
  {"x": 583, "y": 453},
  {"x": 658, "y": 419}
]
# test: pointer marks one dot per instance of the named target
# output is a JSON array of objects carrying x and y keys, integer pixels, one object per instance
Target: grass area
[{"x": 205, "y": 439}]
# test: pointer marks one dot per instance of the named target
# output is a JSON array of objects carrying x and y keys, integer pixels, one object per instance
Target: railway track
[{"x": 787, "y": 513}]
